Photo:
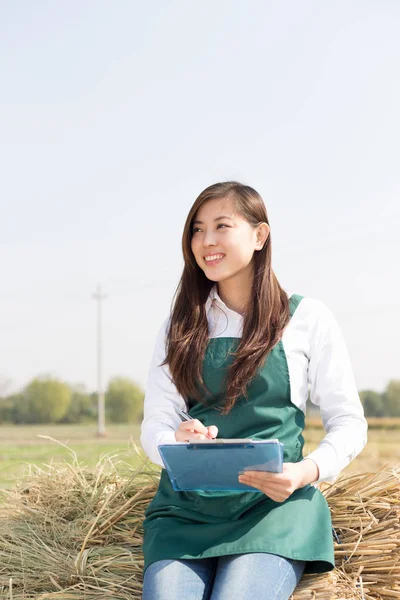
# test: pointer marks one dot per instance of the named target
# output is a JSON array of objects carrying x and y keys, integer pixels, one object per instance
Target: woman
[{"x": 240, "y": 354}]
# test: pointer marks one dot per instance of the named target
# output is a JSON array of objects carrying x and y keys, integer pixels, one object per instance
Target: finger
[
  {"x": 194, "y": 425},
  {"x": 284, "y": 477},
  {"x": 193, "y": 437},
  {"x": 260, "y": 482},
  {"x": 274, "y": 489},
  {"x": 212, "y": 431},
  {"x": 268, "y": 484},
  {"x": 274, "y": 492},
  {"x": 266, "y": 488},
  {"x": 261, "y": 476}
]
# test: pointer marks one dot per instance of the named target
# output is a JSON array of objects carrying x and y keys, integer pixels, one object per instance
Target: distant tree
[
  {"x": 44, "y": 400},
  {"x": 20, "y": 409},
  {"x": 8, "y": 406},
  {"x": 124, "y": 401},
  {"x": 373, "y": 403},
  {"x": 391, "y": 398},
  {"x": 81, "y": 408}
]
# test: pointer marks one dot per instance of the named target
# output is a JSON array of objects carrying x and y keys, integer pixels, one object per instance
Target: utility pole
[{"x": 101, "y": 431}]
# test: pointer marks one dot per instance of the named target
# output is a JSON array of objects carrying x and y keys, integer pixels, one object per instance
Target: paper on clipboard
[{"x": 214, "y": 465}]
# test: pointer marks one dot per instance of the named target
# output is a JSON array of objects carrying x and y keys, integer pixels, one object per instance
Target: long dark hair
[{"x": 263, "y": 324}]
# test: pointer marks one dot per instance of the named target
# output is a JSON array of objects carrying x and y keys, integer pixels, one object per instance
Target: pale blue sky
[{"x": 115, "y": 115}]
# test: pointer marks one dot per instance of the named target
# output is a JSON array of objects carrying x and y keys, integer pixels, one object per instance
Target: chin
[{"x": 216, "y": 277}]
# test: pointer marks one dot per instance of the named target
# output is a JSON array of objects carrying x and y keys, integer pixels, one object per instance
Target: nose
[{"x": 209, "y": 239}]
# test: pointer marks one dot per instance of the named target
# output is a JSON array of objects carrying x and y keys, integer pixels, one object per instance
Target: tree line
[
  {"x": 385, "y": 404},
  {"x": 49, "y": 400}
]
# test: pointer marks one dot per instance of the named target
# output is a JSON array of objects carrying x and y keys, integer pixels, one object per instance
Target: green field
[{"x": 21, "y": 446}]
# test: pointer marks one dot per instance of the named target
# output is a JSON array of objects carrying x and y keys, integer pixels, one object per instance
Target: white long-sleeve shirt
[{"x": 318, "y": 361}]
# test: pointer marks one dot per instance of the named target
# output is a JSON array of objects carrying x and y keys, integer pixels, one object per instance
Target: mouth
[{"x": 213, "y": 259}]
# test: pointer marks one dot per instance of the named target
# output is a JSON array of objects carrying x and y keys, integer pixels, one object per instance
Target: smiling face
[{"x": 223, "y": 242}]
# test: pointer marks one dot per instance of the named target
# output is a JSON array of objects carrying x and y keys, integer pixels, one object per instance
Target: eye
[
  {"x": 222, "y": 225},
  {"x": 196, "y": 229}
]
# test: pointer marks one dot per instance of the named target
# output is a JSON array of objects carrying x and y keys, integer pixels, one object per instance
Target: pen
[{"x": 184, "y": 416}]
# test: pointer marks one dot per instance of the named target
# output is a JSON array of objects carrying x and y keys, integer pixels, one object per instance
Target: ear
[{"x": 262, "y": 235}]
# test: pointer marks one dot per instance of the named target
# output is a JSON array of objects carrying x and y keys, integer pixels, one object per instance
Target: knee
[{"x": 159, "y": 577}]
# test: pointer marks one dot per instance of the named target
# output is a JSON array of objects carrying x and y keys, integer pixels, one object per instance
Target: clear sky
[{"x": 114, "y": 116}]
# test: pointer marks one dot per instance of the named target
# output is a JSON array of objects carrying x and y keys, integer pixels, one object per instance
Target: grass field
[{"x": 21, "y": 446}]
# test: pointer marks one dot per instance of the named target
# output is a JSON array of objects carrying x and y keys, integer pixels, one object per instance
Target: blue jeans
[{"x": 255, "y": 576}]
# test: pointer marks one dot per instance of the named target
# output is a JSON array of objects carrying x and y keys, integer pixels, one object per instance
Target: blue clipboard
[{"x": 214, "y": 465}]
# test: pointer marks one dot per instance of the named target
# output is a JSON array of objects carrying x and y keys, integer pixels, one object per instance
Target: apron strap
[{"x": 294, "y": 301}]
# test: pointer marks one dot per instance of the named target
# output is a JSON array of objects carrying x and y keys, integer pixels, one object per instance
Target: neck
[{"x": 236, "y": 294}]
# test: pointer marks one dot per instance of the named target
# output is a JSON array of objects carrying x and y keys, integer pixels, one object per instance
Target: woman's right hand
[{"x": 193, "y": 430}]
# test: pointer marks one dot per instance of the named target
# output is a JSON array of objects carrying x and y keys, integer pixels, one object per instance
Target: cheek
[
  {"x": 244, "y": 249},
  {"x": 195, "y": 247}
]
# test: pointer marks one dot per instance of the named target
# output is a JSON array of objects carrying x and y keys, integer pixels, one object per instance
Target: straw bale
[{"x": 73, "y": 533}]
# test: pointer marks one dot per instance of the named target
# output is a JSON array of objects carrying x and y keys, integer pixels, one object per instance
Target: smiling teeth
[{"x": 214, "y": 257}]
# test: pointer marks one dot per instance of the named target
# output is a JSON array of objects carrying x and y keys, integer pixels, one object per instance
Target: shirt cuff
[
  {"x": 150, "y": 446},
  {"x": 323, "y": 458},
  {"x": 309, "y": 458}
]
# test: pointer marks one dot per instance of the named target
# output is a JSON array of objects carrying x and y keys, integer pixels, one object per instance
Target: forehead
[{"x": 215, "y": 208}]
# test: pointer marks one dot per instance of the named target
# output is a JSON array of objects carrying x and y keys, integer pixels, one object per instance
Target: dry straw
[{"x": 73, "y": 533}]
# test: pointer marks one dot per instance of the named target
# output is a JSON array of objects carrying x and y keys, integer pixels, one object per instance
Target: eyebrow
[{"x": 217, "y": 219}]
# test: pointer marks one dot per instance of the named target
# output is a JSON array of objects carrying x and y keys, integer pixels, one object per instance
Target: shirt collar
[
  {"x": 214, "y": 299},
  {"x": 211, "y": 298}
]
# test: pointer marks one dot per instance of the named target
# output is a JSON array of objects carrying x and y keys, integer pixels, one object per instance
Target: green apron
[{"x": 185, "y": 525}]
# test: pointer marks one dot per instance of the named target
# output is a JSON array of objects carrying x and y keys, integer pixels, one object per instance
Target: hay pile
[{"x": 73, "y": 533}]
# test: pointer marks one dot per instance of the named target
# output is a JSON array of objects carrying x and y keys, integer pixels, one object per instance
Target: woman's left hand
[{"x": 279, "y": 486}]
